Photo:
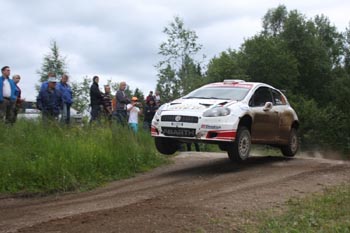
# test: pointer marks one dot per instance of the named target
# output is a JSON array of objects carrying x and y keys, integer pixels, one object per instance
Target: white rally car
[{"x": 232, "y": 114}]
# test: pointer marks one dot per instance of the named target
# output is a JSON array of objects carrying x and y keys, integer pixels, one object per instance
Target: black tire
[
  {"x": 166, "y": 146},
  {"x": 293, "y": 144},
  {"x": 240, "y": 149}
]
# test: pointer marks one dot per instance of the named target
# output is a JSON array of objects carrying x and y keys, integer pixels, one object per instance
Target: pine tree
[{"x": 53, "y": 63}]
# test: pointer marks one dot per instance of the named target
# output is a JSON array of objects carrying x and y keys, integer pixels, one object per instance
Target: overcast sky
[{"x": 119, "y": 40}]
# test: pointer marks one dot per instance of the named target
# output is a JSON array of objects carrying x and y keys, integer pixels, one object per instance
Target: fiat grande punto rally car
[{"x": 232, "y": 114}]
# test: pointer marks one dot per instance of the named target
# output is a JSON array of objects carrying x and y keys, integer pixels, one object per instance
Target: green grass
[
  {"x": 37, "y": 159},
  {"x": 328, "y": 212}
]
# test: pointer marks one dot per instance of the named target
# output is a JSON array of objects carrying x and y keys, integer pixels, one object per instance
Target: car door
[
  {"x": 265, "y": 125},
  {"x": 285, "y": 114}
]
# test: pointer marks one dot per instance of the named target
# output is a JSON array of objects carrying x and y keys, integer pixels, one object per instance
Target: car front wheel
[
  {"x": 240, "y": 149},
  {"x": 292, "y": 147},
  {"x": 166, "y": 146}
]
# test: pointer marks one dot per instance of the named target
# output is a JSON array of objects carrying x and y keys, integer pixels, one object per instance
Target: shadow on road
[{"x": 224, "y": 165}]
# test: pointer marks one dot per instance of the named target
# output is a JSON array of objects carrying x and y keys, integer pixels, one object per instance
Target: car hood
[{"x": 198, "y": 105}]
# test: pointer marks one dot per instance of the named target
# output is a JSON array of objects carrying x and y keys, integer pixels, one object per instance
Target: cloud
[{"x": 119, "y": 40}]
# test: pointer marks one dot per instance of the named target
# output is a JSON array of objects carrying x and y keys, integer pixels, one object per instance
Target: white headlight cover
[
  {"x": 160, "y": 109},
  {"x": 217, "y": 112}
]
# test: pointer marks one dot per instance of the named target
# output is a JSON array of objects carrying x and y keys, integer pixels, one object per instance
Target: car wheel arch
[{"x": 246, "y": 121}]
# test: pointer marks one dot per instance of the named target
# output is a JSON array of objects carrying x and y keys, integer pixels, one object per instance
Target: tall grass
[{"x": 45, "y": 159}]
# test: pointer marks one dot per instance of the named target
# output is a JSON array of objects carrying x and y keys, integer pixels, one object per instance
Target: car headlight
[
  {"x": 160, "y": 109},
  {"x": 217, "y": 112}
]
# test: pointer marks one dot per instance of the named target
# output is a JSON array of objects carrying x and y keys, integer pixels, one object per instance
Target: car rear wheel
[
  {"x": 293, "y": 144},
  {"x": 240, "y": 149},
  {"x": 166, "y": 146}
]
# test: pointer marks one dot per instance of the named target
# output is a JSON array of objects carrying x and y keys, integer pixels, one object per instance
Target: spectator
[
  {"x": 134, "y": 113},
  {"x": 121, "y": 104},
  {"x": 46, "y": 83},
  {"x": 150, "y": 95},
  {"x": 157, "y": 98},
  {"x": 149, "y": 111},
  {"x": 96, "y": 100},
  {"x": 7, "y": 96},
  {"x": 49, "y": 101},
  {"x": 19, "y": 101},
  {"x": 107, "y": 103},
  {"x": 67, "y": 98}
]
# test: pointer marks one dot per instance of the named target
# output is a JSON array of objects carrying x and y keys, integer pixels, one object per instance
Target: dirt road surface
[{"x": 198, "y": 192}]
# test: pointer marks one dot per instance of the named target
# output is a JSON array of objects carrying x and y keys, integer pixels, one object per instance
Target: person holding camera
[{"x": 134, "y": 112}]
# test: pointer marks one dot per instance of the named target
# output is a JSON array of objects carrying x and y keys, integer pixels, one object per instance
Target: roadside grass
[
  {"x": 328, "y": 212},
  {"x": 39, "y": 160}
]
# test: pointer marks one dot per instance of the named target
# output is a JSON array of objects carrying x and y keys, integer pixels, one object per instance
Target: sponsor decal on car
[{"x": 203, "y": 126}]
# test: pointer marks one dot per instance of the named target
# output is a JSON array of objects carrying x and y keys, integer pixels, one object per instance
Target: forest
[{"x": 307, "y": 58}]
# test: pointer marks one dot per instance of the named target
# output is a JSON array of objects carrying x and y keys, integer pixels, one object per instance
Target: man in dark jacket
[
  {"x": 96, "y": 99},
  {"x": 49, "y": 101},
  {"x": 122, "y": 100}
]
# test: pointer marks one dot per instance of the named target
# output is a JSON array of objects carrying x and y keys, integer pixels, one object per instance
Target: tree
[
  {"x": 267, "y": 59},
  {"x": 168, "y": 85},
  {"x": 190, "y": 75},
  {"x": 274, "y": 20},
  {"x": 179, "y": 52},
  {"x": 53, "y": 63},
  {"x": 226, "y": 66},
  {"x": 347, "y": 50},
  {"x": 81, "y": 94}
]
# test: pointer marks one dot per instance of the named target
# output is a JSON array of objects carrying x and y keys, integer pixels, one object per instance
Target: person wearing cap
[
  {"x": 134, "y": 113},
  {"x": 67, "y": 98},
  {"x": 96, "y": 100},
  {"x": 122, "y": 100},
  {"x": 7, "y": 96},
  {"x": 19, "y": 101},
  {"x": 49, "y": 101},
  {"x": 45, "y": 84}
]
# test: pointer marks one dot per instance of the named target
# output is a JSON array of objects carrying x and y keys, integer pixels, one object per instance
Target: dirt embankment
[{"x": 198, "y": 192}]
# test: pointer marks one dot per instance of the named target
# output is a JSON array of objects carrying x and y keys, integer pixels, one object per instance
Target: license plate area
[{"x": 178, "y": 132}]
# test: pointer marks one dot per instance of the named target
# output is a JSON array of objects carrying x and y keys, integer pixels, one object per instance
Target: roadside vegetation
[
  {"x": 37, "y": 159},
  {"x": 326, "y": 212}
]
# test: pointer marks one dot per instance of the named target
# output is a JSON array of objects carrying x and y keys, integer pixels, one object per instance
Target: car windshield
[{"x": 226, "y": 93}]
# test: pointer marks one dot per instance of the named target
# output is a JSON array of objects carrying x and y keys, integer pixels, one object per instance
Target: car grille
[
  {"x": 187, "y": 119},
  {"x": 178, "y": 132}
]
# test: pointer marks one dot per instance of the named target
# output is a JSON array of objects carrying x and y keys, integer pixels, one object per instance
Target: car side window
[
  {"x": 260, "y": 97},
  {"x": 278, "y": 98}
]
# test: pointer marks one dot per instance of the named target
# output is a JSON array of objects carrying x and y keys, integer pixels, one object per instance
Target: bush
[{"x": 327, "y": 127}]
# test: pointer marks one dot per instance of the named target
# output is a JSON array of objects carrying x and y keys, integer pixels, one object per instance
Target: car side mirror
[{"x": 268, "y": 106}]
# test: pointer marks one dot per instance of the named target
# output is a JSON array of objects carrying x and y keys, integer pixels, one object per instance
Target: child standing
[{"x": 134, "y": 113}]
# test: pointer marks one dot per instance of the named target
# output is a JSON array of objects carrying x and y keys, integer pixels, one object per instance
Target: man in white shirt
[
  {"x": 134, "y": 113},
  {"x": 7, "y": 96}
]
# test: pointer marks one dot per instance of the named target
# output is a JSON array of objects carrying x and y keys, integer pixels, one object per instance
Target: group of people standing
[
  {"x": 56, "y": 98},
  {"x": 121, "y": 109},
  {"x": 10, "y": 96}
]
